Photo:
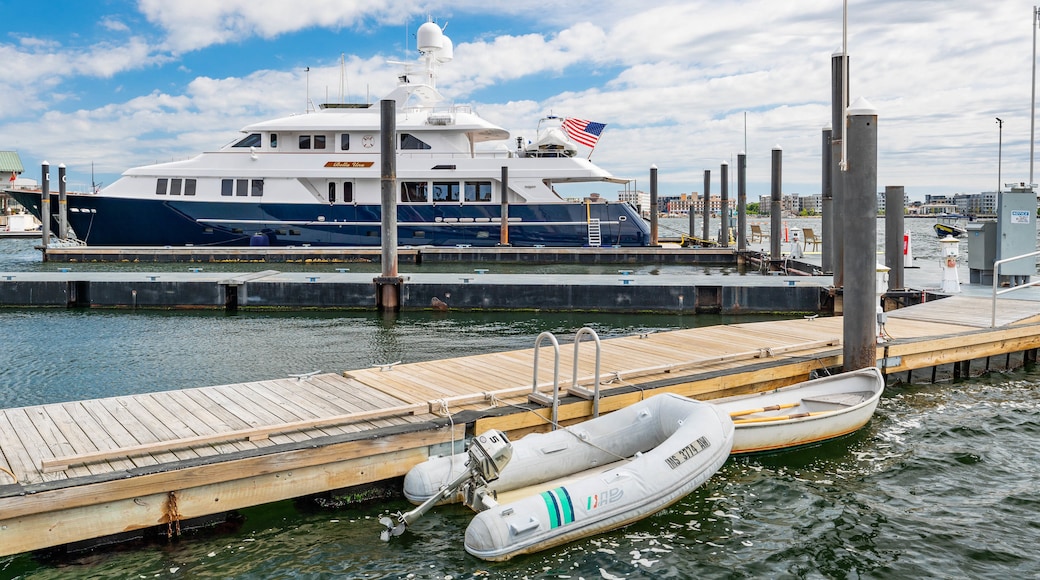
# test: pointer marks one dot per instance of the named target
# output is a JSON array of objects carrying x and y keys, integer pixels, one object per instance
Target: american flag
[{"x": 585, "y": 132}]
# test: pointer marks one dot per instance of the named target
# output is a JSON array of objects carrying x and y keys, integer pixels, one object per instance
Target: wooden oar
[
  {"x": 764, "y": 409},
  {"x": 781, "y": 417}
]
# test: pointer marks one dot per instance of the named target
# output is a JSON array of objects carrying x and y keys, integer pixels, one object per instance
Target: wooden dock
[{"x": 81, "y": 470}]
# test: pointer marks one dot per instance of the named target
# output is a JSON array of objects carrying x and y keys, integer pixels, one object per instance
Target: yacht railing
[{"x": 996, "y": 282}]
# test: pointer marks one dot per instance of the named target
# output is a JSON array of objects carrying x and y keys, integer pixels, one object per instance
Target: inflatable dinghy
[{"x": 621, "y": 467}]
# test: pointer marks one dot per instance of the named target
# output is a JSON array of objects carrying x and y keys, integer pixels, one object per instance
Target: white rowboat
[{"x": 804, "y": 413}]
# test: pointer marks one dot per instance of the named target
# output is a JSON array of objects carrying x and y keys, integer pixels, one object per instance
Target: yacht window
[
  {"x": 253, "y": 140},
  {"x": 175, "y": 187},
  {"x": 160, "y": 186},
  {"x": 242, "y": 187},
  {"x": 319, "y": 141},
  {"x": 189, "y": 187},
  {"x": 305, "y": 141},
  {"x": 478, "y": 191},
  {"x": 348, "y": 192},
  {"x": 409, "y": 141},
  {"x": 274, "y": 140},
  {"x": 445, "y": 191},
  {"x": 332, "y": 192},
  {"x": 413, "y": 191},
  {"x": 227, "y": 186},
  {"x": 258, "y": 188},
  {"x": 344, "y": 141}
]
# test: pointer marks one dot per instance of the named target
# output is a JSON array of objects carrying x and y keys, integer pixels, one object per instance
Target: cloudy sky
[{"x": 684, "y": 85}]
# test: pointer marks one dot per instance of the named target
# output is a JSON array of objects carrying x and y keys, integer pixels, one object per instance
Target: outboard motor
[{"x": 488, "y": 455}]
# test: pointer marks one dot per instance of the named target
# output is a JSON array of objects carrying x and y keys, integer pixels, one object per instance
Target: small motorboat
[
  {"x": 804, "y": 413},
  {"x": 578, "y": 481},
  {"x": 950, "y": 226}
]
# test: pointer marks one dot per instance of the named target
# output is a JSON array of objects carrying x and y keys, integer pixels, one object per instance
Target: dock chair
[
  {"x": 810, "y": 237},
  {"x": 756, "y": 232}
]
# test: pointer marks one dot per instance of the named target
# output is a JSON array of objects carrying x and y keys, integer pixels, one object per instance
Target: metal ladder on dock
[
  {"x": 595, "y": 235},
  {"x": 575, "y": 389}
]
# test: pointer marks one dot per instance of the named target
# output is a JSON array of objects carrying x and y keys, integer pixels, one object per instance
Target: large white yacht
[{"x": 314, "y": 179}]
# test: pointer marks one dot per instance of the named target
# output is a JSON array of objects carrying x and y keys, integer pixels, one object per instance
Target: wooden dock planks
[{"x": 200, "y": 433}]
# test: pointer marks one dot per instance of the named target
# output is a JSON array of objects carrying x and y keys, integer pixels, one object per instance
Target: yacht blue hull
[{"x": 106, "y": 221}]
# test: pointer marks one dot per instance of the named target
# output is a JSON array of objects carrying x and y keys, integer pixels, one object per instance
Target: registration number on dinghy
[{"x": 686, "y": 453}]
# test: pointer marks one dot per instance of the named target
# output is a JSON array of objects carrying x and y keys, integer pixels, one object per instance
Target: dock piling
[
  {"x": 894, "y": 235},
  {"x": 707, "y": 205},
  {"x": 63, "y": 205},
  {"x": 839, "y": 101},
  {"x": 724, "y": 204},
  {"x": 654, "y": 210},
  {"x": 388, "y": 285},
  {"x": 860, "y": 299},
  {"x": 826, "y": 206},
  {"x": 742, "y": 201},
  {"x": 503, "y": 237},
  {"x": 774, "y": 206},
  {"x": 45, "y": 206}
]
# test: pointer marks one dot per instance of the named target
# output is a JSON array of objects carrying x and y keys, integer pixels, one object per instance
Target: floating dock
[
  {"x": 479, "y": 290},
  {"x": 108, "y": 468},
  {"x": 405, "y": 255}
]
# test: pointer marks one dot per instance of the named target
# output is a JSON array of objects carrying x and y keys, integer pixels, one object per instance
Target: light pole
[
  {"x": 1000, "y": 149},
  {"x": 1032, "y": 102}
]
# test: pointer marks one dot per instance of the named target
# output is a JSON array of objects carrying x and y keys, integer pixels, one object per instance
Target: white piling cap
[
  {"x": 725, "y": 162},
  {"x": 653, "y": 166},
  {"x": 861, "y": 106},
  {"x": 777, "y": 147}
]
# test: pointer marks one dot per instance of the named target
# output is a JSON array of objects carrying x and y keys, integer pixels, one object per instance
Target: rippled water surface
[{"x": 941, "y": 484}]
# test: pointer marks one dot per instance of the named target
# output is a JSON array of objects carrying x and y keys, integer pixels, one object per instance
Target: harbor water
[{"x": 940, "y": 484}]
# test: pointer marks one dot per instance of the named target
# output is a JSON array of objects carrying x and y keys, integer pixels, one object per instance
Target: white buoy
[
  {"x": 951, "y": 283},
  {"x": 908, "y": 250}
]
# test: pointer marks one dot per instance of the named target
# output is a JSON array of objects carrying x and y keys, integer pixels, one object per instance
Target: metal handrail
[
  {"x": 540, "y": 398},
  {"x": 580, "y": 391},
  {"x": 996, "y": 281}
]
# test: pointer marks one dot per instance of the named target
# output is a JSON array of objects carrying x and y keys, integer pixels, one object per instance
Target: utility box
[
  {"x": 1016, "y": 233},
  {"x": 982, "y": 251}
]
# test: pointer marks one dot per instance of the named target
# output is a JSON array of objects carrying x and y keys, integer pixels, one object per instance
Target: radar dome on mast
[
  {"x": 447, "y": 51},
  {"x": 430, "y": 38}
]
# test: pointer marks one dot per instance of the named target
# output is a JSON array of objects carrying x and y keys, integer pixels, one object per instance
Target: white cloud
[{"x": 673, "y": 81}]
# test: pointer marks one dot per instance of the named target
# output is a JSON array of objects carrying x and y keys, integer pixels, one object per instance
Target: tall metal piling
[
  {"x": 724, "y": 204},
  {"x": 63, "y": 205},
  {"x": 654, "y": 210},
  {"x": 827, "y": 205},
  {"x": 894, "y": 231},
  {"x": 45, "y": 206},
  {"x": 860, "y": 298},
  {"x": 388, "y": 284},
  {"x": 774, "y": 203},
  {"x": 741, "y": 201},
  {"x": 839, "y": 98},
  {"x": 705, "y": 229}
]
